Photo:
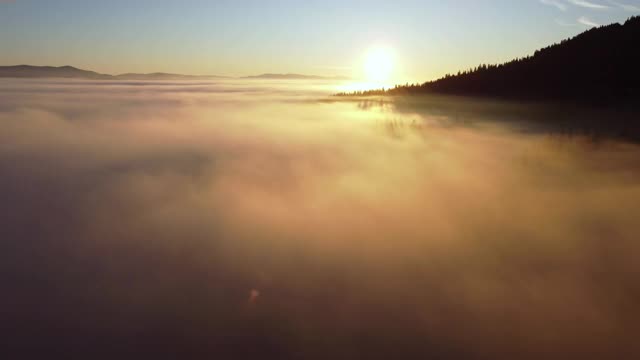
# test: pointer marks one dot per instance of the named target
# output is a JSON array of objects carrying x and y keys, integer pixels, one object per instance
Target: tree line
[{"x": 599, "y": 64}]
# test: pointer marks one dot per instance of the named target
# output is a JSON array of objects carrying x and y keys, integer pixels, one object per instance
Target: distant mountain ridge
[
  {"x": 600, "y": 64},
  {"x": 28, "y": 71},
  {"x": 70, "y": 72},
  {"x": 166, "y": 76}
]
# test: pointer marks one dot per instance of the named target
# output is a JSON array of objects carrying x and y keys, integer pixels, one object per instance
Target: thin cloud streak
[
  {"x": 588, "y": 22},
  {"x": 560, "y": 6},
  {"x": 587, "y": 4}
]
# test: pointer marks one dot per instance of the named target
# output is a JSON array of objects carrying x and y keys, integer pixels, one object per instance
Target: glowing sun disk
[{"x": 379, "y": 65}]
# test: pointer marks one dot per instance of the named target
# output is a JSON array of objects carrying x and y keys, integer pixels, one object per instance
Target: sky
[{"x": 428, "y": 38}]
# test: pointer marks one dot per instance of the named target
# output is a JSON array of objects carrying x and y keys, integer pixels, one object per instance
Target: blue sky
[{"x": 428, "y": 37}]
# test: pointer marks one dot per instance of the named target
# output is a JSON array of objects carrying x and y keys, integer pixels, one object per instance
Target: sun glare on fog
[{"x": 378, "y": 71}]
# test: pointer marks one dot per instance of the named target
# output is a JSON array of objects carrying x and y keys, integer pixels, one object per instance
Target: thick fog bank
[{"x": 253, "y": 220}]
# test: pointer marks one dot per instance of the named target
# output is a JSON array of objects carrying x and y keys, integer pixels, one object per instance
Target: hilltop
[
  {"x": 28, "y": 71},
  {"x": 600, "y": 64},
  {"x": 70, "y": 72}
]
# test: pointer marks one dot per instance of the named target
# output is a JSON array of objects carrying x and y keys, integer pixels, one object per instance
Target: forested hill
[{"x": 598, "y": 65}]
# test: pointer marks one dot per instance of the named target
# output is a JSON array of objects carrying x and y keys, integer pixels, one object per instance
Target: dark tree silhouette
[{"x": 598, "y": 65}]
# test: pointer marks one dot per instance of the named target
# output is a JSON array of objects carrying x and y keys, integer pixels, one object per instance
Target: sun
[{"x": 379, "y": 65}]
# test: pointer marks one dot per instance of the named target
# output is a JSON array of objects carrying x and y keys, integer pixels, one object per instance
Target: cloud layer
[
  {"x": 555, "y": 3},
  {"x": 250, "y": 220}
]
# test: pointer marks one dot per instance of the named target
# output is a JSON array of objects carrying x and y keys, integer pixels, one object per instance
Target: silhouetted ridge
[
  {"x": 28, "y": 71},
  {"x": 165, "y": 76},
  {"x": 70, "y": 72},
  {"x": 599, "y": 64}
]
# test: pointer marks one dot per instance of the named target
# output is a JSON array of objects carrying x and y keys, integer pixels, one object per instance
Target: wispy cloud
[
  {"x": 559, "y": 5},
  {"x": 626, "y": 7},
  {"x": 588, "y": 4},
  {"x": 564, "y": 23},
  {"x": 588, "y": 22}
]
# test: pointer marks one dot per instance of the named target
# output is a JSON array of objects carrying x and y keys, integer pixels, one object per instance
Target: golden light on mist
[
  {"x": 245, "y": 227},
  {"x": 378, "y": 69}
]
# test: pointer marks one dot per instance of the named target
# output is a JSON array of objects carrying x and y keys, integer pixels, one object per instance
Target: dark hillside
[{"x": 598, "y": 65}]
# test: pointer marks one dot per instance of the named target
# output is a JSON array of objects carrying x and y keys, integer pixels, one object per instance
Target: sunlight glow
[
  {"x": 379, "y": 65},
  {"x": 361, "y": 86}
]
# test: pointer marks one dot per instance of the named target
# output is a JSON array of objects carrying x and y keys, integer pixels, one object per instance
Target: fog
[{"x": 253, "y": 219}]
